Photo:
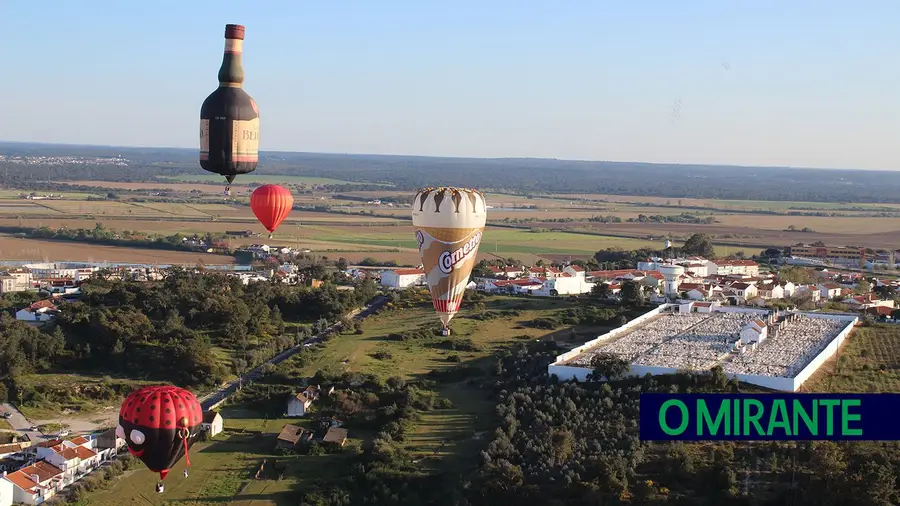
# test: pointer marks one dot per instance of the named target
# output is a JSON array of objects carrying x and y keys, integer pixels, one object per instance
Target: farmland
[
  {"x": 561, "y": 226},
  {"x": 867, "y": 362}
]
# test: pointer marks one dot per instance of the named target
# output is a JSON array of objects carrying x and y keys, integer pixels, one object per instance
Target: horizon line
[{"x": 333, "y": 153}]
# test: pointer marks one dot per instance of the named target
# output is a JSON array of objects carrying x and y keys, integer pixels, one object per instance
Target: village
[{"x": 738, "y": 282}]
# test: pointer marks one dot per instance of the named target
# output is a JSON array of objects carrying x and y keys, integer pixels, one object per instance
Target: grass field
[
  {"x": 222, "y": 471},
  {"x": 869, "y": 361}
]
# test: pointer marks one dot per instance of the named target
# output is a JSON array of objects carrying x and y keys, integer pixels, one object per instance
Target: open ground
[{"x": 222, "y": 471}]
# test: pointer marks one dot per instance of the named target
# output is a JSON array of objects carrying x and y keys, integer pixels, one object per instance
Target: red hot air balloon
[
  {"x": 159, "y": 424},
  {"x": 271, "y": 204}
]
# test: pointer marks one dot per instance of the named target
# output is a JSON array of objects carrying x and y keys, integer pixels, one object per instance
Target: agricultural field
[
  {"x": 15, "y": 248},
  {"x": 867, "y": 362},
  {"x": 260, "y": 179}
]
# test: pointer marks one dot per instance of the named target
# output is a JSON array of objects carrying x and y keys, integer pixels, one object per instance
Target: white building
[
  {"x": 300, "y": 403},
  {"x": 744, "y": 267},
  {"x": 36, "y": 483},
  {"x": 71, "y": 270},
  {"x": 754, "y": 332},
  {"x": 213, "y": 422},
  {"x": 829, "y": 290},
  {"x": 40, "y": 311},
  {"x": 570, "y": 285},
  {"x": 6, "y": 492},
  {"x": 403, "y": 278}
]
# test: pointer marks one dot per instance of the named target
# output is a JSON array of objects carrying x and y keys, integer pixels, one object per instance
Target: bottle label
[
  {"x": 204, "y": 139},
  {"x": 245, "y": 141}
]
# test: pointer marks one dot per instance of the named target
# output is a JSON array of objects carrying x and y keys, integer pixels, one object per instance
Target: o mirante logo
[{"x": 776, "y": 416}]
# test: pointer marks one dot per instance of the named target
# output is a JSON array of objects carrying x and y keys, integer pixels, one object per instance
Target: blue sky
[{"x": 800, "y": 82}]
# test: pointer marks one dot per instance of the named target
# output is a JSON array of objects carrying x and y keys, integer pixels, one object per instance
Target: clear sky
[{"x": 768, "y": 82}]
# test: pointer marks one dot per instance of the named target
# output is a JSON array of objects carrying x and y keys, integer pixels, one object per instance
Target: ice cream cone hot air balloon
[{"x": 449, "y": 223}]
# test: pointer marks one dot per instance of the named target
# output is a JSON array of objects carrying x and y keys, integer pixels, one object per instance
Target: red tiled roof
[
  {"x": 576, "y": 268},
  {"x": 85, "y": 453},
  {"x": 880, "y": 310},
  {"x": 79, "y": 440},
  {"x": 408, "y": 272},
  {"x": 21, "y": 480}
]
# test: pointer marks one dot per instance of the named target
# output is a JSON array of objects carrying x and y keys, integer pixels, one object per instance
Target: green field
[
  {"x": 867, "y": 362},
  {"x": 222, "y": 471},
  {"x": 262, "y": 179}
]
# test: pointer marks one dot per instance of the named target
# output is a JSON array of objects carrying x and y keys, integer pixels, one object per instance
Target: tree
[
  {"x": 600, "y": 290},
  {"x": 863, "y": 287},
  {"x": 608, "y": 366},
  {"x": 342, "y": 264},
  {"x": 700, "y": 245},
  {"x": 632, "y": 294}
]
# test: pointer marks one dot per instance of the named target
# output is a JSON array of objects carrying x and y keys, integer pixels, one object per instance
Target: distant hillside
[{"x": 508, "y": 174}]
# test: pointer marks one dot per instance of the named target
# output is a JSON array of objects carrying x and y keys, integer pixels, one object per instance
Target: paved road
[
  {"x": 229, "y": 388},
  {"x": 21, "y": 424}
]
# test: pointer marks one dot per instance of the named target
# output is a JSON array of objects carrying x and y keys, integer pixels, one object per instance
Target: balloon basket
[{"x": 445, "y": 331}]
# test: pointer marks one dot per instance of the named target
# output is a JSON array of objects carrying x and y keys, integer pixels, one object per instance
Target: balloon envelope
[
  {"x": 159, "y": 424},
  {"x": 449, "y": 223},
  {"x": 271, "y": 204}
]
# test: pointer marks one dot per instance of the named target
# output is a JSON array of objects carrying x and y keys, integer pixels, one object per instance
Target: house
[
  {"x": 829, "y": 290},
  {"x": 6, "y": 492},
  {"x": 771, "y": 291},
  {"x": 10, "y": 449},
  {"x": 40, "y": 311},
  {"x": 335, "y": 435},
  {"x": 292, "y": 435},
  {"x": 747, "y": 267},
  {"x": 567, "y": 285},
  {"x": 507, "y": 272},
  {"x": 880, "y": 312},
  {"x": 300, "y": 403},
  {"x": 705, "y": 307},
  {"x": 403, "y": 278},
  {"x": 789, "y": 288},
  {"x": 212, "y": 423},
  {"x": 744, "y": 290},
  {"x": 36, "y": 483},
  {"x": 754, "y": 332},
  {"x": 108, "y": 444},
  {"x": 695, "y": 291},
  {"x": 64, "y": 458},
  {"x": 7, "y": 283},
  {"x": 575, "y": 271}
]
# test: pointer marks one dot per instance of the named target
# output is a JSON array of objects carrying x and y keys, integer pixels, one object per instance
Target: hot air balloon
[
  {"x": 449, "y": 223},
  {"x": 229, "y": 118},
  {"x": 159, "y": 424},
  {"x": 271, "y": 204}
]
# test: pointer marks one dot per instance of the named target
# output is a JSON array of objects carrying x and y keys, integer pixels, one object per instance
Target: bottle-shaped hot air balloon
[
  {"x": 449, "y": 223},
  {"x": 229, "y": 118},
  {"x": 271, "y": 204},
  {"x": 159, "y": 424}
]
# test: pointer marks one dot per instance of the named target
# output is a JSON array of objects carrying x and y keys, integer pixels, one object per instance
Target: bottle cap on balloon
[{"x": 234, "y": 32}]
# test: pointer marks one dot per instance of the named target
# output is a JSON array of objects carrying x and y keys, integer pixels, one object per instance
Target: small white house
[
  {"x": 300, "y": 403},
  {"x": 754, "y": 332},
  {"x": 40, "y": 311},
  {"x": 6, "y": 492},
  {"x": 213, "y": 423},
  {"x": 403, "y": 278}
]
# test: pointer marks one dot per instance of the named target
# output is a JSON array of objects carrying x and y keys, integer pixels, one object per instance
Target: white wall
[
  {"x": 829, "y": 350},
  {"x": 565, "y": 373}
]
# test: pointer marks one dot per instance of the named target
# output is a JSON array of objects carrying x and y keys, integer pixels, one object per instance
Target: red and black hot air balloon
[
  {"x": 271, "y": 204},
  {"x": 159, "y": 424}
]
